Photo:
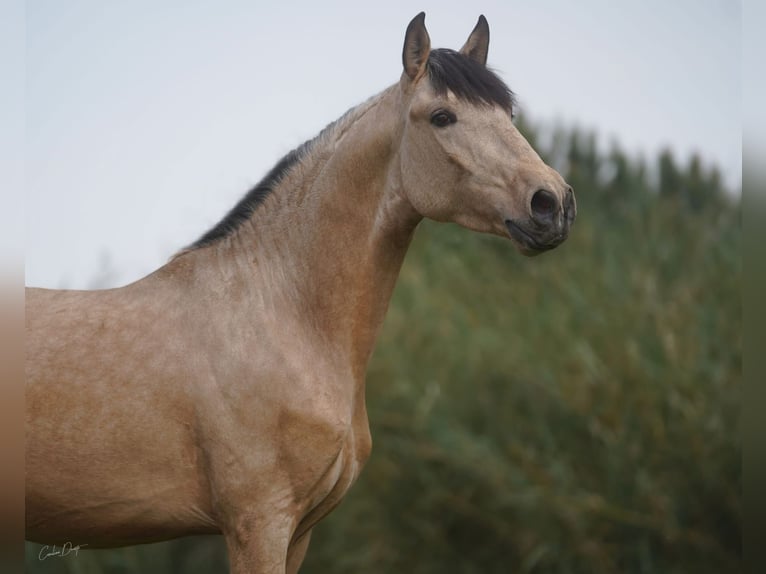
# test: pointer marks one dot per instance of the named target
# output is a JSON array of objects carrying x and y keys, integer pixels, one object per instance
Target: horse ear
[
  {"x": 477, "y": 45},
  {"x": 417, "y": 46}
]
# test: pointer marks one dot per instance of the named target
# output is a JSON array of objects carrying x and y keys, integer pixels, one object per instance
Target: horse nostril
[
  {"x": 570, "y": 196},
  {"x": 544, "y": 206},
  {"x": 570, "y": 207}
]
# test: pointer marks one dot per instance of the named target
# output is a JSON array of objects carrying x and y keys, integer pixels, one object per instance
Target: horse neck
[{"x": 326, "y": 246}]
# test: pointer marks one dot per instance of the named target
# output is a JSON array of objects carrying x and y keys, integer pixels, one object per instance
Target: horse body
[
  {"x": 143, "y": 394},
  {"x": 225, "y": 391},
  {"x": 110, "y": 439}
]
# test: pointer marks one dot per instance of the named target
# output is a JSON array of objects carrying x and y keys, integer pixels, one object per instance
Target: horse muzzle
[{"x": 548, "y": 224}]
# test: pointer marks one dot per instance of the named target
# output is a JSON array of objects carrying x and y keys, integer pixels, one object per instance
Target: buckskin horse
[{"x": 224, "y": 393}]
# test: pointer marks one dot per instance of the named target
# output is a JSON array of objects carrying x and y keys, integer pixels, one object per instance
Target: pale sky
[{"x": 146, "y": 121}]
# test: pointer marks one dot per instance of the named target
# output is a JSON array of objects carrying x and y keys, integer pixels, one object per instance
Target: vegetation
[{"x": 575, "y": 412}]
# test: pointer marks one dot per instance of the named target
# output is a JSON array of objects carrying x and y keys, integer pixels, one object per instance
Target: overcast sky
[{"x": 147, "y": 120}]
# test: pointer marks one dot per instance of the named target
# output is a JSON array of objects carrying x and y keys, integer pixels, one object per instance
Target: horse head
[{"x": 462, "y": 158}]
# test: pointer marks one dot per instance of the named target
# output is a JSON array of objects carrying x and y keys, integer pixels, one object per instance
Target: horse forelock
[{"x": 467, "y": 79}]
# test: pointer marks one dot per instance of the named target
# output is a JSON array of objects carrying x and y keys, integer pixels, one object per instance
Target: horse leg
[
  {"x": 258, "y": 546},
  {"x": 297, "y": 553}
]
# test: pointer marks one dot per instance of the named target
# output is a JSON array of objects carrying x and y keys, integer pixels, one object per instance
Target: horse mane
[
  {"x": 245, "y": 207},
  {"x": 448, "y": 70}
]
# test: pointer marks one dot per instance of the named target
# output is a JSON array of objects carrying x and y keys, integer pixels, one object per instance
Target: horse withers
[{"x": 224, "y": 393}]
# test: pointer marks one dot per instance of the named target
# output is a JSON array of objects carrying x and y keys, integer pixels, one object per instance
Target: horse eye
[{"x": 443, "y": 118}]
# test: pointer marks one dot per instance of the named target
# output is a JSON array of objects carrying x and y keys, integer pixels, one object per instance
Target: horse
[{"x": 224, "y": 393}]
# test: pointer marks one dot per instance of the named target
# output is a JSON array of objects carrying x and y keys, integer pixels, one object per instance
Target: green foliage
[{"x": 575, "y": 412}]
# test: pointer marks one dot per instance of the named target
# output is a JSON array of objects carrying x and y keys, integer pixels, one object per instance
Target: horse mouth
[{"x": 530, "y": 244}]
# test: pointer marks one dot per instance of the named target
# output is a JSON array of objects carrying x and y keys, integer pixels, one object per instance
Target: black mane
[
  {"x": 242, "y": 211},
  {"x": 468, "y": 79},
  {"x": 447, "y": 71}
]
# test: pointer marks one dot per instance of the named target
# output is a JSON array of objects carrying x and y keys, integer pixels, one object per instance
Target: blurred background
[{"x": 575, "y": 412}]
